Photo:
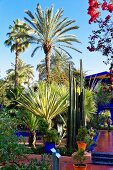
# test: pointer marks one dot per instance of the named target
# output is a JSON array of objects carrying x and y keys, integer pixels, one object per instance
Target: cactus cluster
[{"x": 76, "y": 116}]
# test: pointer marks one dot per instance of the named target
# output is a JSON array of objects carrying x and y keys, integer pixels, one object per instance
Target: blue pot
[{"x": 49, "y": 146}]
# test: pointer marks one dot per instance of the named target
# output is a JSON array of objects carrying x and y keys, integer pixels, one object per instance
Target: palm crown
[
  {"x": 16, "y": 44},
  {"x": 49, "y": 32}
]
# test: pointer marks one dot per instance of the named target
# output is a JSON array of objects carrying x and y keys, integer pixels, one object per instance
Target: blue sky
[{"x": 11, "y": 10}]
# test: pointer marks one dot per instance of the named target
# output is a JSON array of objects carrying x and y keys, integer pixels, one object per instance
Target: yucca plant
[{"x": 47, "y": 102}]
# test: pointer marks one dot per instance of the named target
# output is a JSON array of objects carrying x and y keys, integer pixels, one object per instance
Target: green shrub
[
  {"x": 42, "y": 126},
  {"x": 52, "y": 136},
  {"x": 82, "y": 132},
  {"x": 65, "y": 151},
  {"x": 38, "y": 150},
  {"x": 34, "y": 164},
  {"x": 10, "y": 149}
]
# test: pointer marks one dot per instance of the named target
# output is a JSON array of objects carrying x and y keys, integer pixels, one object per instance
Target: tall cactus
[
  {"x": 76, "y": 108},
  {"x": 82, "y": 98}
]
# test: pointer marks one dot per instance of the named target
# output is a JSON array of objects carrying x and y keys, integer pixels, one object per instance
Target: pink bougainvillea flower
[
  {"x": 91, "y": 2},
  {"x": 110, "y": 7},
  {"x": 104, "y": 6},
  {"x": 91, "y": 11},
  {"x": 94, "y": 17}
]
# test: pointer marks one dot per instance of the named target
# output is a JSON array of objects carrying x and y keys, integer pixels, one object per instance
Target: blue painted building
[{"x": 92, "y": 80}]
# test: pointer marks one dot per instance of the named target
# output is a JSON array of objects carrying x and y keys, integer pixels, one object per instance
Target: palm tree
[
  {"x": 59, "y": 68},
  {"x": 49, "y": 32},
  {"x": 47, "y": 102},
  {"x": 25, "y": 73},
  {"x": 16, "y": 44}
]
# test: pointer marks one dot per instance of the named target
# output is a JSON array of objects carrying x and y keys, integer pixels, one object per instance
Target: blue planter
[
  {"x": 25, "y": 134},
  {"x": 49, "y": 146},
  {"x": 95, "y": 140}
]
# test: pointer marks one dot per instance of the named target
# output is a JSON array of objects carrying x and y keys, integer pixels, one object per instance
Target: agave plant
[{"x": 47, "y": 102}]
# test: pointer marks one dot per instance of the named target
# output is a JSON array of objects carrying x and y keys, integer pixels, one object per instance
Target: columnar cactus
[{"x": 76, "y": 108}]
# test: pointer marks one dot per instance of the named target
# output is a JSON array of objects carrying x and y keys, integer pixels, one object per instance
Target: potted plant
[
  {"x": 79, "y": 158},
  {"x": 51, "y": 139},
  {"x": 81, "y": 136}
]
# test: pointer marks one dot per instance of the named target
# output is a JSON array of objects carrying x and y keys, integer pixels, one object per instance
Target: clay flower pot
[
  {"x": 81, "y": 167},
  {"x": 81, "y": 145}
]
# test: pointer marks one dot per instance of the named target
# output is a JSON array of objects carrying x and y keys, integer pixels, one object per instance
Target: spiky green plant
[
  {"x": 90, "y": 105},
  {"x": 47, "y": 102}
]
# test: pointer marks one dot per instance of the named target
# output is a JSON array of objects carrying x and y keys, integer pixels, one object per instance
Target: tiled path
[{"x": 104, "y": 144}]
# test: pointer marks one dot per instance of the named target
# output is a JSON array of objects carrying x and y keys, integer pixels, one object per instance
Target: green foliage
[
  {"x": 46, "y": 28},
  {"x": 59, "y": 69},
  {"x": 30, "y": 120},
  {"x": 10, "y": 149},
  {"x": 42, "y": 126},
  {"x": 94, "y": 122},
  {"x": 38, "y": 150},
  {"x": 65, "y": 151},
  {"x": 89, "y": 141},
  {"x": 13, "y": 94},
  {"x": 3, "y": 87},
  {"x": 103, "y": 116},
  {"x": 17, "y": 44},
  {"x": 52, "y": 136},
  {"x": 102, "y": 94},
  {"x": 82, "y": 133},
  {"x": 90, "y": 105},
  {"x": 34, "y": 164},
  {"x": 48, "y": 101},
  {"x": 79, "y": 157},
  {"x": 25, "y": 73}
]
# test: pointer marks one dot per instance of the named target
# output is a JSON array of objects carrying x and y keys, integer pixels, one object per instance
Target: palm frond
[
  {"x": 34, "y": 51},
  {"x": 71, "y": 47}
]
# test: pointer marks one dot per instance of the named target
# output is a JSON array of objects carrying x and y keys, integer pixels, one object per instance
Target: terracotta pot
[
  {"x": 81, "y": 145},
  {"x": 82, "y": 167}
]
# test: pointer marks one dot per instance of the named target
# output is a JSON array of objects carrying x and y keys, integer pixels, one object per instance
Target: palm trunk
[
  {"x": 16, "y": 68},
  {"x": 32, "y": 139},
  {"x": 47, "y": 60}
]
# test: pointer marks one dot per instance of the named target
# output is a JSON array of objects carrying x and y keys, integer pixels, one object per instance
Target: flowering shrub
[
  {"x": 93, "y": 10},
  {"x": 95, "y": 6},
  {"x": 102, "y": 39},
  {"x": 103, "y": 94}
]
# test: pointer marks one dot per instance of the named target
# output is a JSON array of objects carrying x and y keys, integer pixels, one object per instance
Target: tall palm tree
[
  {"x": 49, "y": 32},
  {"x": 25, "y": 73},
  {"x": 16, "y": 44}
]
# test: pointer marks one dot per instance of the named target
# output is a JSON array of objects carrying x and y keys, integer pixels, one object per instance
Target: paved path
[{"x": 105, "y": 142}]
